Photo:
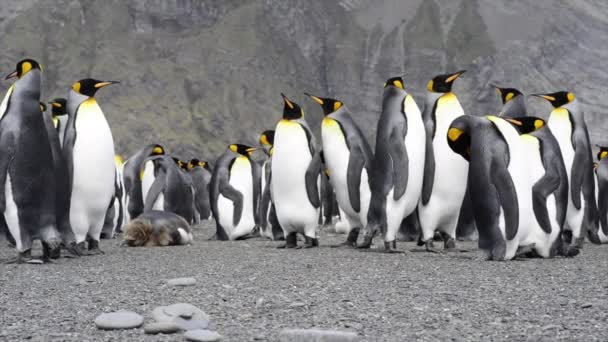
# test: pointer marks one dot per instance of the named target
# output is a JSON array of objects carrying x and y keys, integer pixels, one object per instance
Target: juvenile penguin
[
  {"x": 398, "y": 167},
  {"x": 513, "y": 102},
  {"x": 26, "y": 166},
  {"x": 201, "y": 178},
  {"x": 62, "y": 182},
  {"x": 269, "y": 224},
  {"x": 134, "y": 171},
  {"x": 347, "y": 157},
  {"x": 519, "y": 193},
  {"x": 170, "y": 190},
  {"x": 157, "y": 228},
  {"x": 59, "y": 112},
  {"x": 601, "y": 173},
  {"x": 234, "y": 193},
  {"x": 442, "y": 196},
  {"x": 89, "y": 151},
  {"x": 295, "y": 169},
  {"x": 567, "y": 123}
]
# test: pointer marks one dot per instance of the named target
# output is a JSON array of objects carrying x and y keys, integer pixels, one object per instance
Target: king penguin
[
  {"x": 133, "y": 174},
  {"x": 445, "y": 172},
  {"x": 601, "y": 174},
  {"x": 89, "y": 150},
  {"x": 348, "y": 159},
  {"x": 398, "y": 166},
  {"x": 59, "y": 112},
  {"x": 114, "y": 216},
  {"x": 295, "y": 169},
  {"x": 234, "y": 193},
  {"x": 513, "y": 102},
  {"x": 567, "y": 123},
  {"x": 26, "y": 166},
  {"x": 269, "y": 224},
  {"x": 200, "y": 172}
]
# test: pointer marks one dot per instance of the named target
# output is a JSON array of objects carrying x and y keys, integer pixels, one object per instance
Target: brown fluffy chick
[{"x": 157, "y": 228}]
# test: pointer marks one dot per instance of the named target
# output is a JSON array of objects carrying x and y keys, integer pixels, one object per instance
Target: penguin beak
[
  {"x": 454, "y": 76},
  {"x": 287, "y": 101},
  {"x": 11, "y": 75},
  {"x": 103, "y": 84},
  {"x": 316, "y": 99},
  {"x": 546, "y": 97},
  {"x": 251, "y": 149}
]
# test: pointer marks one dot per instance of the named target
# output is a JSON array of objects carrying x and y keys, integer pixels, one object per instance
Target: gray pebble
[
  {"x": 586, "y": 305},
  {"x": 183, "y": 310},
  {"x": 202, "y": 336},
  {"x": 316, "y": 335},
  {"x": 161, "y": 328},
  {"x": 119, "y": 320},
  {"x": 181, "y": 282}
]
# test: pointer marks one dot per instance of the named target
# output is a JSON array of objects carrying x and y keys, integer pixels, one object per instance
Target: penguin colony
[{"x": 534, "y": 190}]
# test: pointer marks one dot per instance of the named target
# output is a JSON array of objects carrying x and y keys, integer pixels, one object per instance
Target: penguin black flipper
[
  {"x": 356, "y": 162},
  {"x": 265, "y": 203},
  {"x": 236, "y": 197},
  {"x": 6, "y": 146},
  {"x": 400, "y": 160},
  {"x": 578, "y": 174},
  {"x": 256, "y": 174},
  {"x": 602, "y": 200},
  {"x": 540, "y": 191},
  {"x": 69, "y": 140},
  {"x": 508, "y": 198},
  {"x": 155, "y": 190},
  {"x": 429, "y": 159},
  {"x": 311, "y": 177}
]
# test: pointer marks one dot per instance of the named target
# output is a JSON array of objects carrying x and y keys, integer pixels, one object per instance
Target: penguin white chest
[
  {"x": 337, "y": 156},
  {"x": 415, "y": 141},
  {"x": 93, "y": 152},
  {"x": 242, "y": 180},
  {"x": 561, "y": 127},
  {"x": 290, "y": 160}
]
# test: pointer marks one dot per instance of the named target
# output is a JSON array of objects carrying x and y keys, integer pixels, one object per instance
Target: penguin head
[
  {"x": 443, "y": 83},
  {"x": 603, "y": 153},
  {"x": 192, "y": 163},
  {"x": 329, "y": 105},
  {"x": 118, "y": 159},
  {"x": 242, "y": 149},
  {"x": 180, "y": 164},
  {"x": 157, "y": 150},
  {"x": 267, "y": 138},
  {"x": 506, "y": 94},
  {"x": 291, "y": 110},
  {"x": 23, "y": 67},
  {"x": 42, "y": 107},
  {"x": 88, "y": 86},
  {"x": 396, "y": 82},
  {"x": 459, "y": 137},
  {"x": 557, "y": 99},
  {"x": 526, "y": 124},
  {"x": 59, "y": 106}
]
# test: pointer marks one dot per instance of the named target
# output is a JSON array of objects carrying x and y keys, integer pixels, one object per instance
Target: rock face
[{"x": 196, "y": 75}]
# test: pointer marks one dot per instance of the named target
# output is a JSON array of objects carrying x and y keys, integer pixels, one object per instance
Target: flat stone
[
  {"x": 161, "y": 328},
  {"x": 181, "y": 282},
  {"x": 119, "y": 320},
  {"x": 202, "y": 336},
  {"x": 182, "y": 310},
  {"x": 316, "y": 335}
]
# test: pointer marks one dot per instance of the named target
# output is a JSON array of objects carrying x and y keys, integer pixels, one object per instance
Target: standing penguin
[
  {"x": 442, "y": 197},
  {"x": 398, "y": 167},
  {"x": 513, "y": 102},
  {"x": 601, "y": 174},
  {"x": 201, "y": 178},
  {"x": 234, "y": 193},
  {"x": 62, "y": 182},
  {"x": 114, "y": 216},
  {"x": 269, "y": 224},
  {"x": 133, "y": 173},
  {"x": 89, "y": 151},
  {"x": 567, "y": 123},
  {"x": 26, "y": 166},
  {"x": 59, "y": 111},
  {"x": 295, "y": 169},
  {"x": 348, "y": 159},
  {"x": 170, "y": 190}
]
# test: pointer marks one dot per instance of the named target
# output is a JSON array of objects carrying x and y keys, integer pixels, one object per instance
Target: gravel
[{"x": 251, "y": 290}]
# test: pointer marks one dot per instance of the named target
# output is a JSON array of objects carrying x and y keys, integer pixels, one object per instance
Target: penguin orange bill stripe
[
  {"x": 455, "y": 76},
  {"x": 316, "y": 99},
  {"x": 106, "y": 83}
]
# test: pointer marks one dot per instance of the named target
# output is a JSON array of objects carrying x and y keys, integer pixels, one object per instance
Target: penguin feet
[
  {"x": 391, "y": 247},
  {"x": 351, "y": 240},
  {"x": 94, "y": 248},
  {"x": 290, "y": 242},
  {"x": 51, "y": 250},
  {"x": 24, "y": 257},
  {"x": 71, "y": 251},
  {"x": 430, "y": 247},
  {"x": 578, "y": 242},
  {"x": 310, "y": 242},
  {"x": 524, "y": 251},
  {"x": 81, "y": 248}
]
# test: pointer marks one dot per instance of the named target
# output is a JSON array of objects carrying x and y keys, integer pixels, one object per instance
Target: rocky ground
[{"x": 252, "y": 290}]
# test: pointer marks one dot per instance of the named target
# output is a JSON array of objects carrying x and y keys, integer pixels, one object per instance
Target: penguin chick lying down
[{"x": 157, "y": 228}]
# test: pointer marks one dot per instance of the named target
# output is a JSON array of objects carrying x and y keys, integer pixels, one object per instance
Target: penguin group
[{"x": 528, "y": 185}]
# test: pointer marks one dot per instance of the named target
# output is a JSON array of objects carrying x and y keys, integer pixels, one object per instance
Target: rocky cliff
[{"x": 197, "y": 75}]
